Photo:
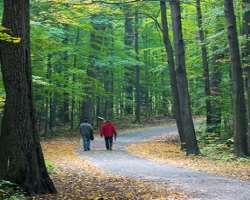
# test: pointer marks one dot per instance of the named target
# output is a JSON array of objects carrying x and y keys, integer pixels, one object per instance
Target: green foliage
[
  {"x": 69, "y": 39},
  {"x": 8, "y": 38},
  {"x": 214, "y": 146},
  {"x": 50, "y": 167},
  {"x": 10, "y": 191}
]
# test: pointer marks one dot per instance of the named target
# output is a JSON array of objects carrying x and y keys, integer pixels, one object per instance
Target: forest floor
[
  {"x": 101, "y": 174},
  {"x": 167, "y": 150},
  {"x": 76, "y": 178}
]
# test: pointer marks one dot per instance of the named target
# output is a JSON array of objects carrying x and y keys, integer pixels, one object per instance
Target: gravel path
[{"x": 198, "y": 185}]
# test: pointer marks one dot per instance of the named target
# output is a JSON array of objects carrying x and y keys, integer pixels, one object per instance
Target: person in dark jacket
[
  {"x": 86, "y": 130},
  {"x": 108, "y": 131}
]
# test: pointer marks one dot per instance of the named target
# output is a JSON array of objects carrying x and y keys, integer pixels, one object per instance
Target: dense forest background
[
  {"x": 108, "y": 59},
  {"x": 84, "y": 57}
]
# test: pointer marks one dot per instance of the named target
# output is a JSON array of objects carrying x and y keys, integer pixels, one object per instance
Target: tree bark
[
  {"x": 239, "y": 106},
  {"x": 215, "y": 81},
  {"x": 205, "y": 64},
  {"x": 73, "y": 102},
  {"x": 90, "y": 100},
  {"x": 182, "y": 83},
  {"x": 21, "y": 155},
  {"x": 138, "y": 71},
  {"x": 48, "y": 95},
  {"x": 246, "y": 57},
  {"x": 65, "y": 108},
  {"x": 129, "y": 69},
  {"x": 52, "y": 112},
  {"x": 172, "y": 72}
]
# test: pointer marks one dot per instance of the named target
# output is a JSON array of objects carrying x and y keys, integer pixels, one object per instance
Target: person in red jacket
[{"x": 108, "y": 131}]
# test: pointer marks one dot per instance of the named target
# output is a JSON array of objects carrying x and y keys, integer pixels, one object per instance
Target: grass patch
[{"x": 50, "y": 167}]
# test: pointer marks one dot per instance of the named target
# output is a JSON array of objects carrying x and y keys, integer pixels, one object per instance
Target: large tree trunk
[
  {"x": 182, "y": 83},
  {"x": 246, "y": 57},
  {"x": 205, "y": 65},
  {"x": 21, "y": 155},
  {"x": 172, "y": 73},
  {"x": 248, "y": 105},
  {"x": 239, "y": 107}
]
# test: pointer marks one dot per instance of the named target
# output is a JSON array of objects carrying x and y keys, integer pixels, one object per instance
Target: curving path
[{"x": 198, "y": 185}]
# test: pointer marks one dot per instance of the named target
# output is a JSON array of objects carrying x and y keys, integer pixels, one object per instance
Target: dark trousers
[
  {"x": 109, "y": 142},
  {"x": 86, "y": 143}
]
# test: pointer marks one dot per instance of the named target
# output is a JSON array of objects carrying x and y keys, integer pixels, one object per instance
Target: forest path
[{"x": 198, "y": 185}]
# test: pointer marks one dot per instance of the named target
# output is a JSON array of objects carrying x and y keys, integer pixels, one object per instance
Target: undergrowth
[
  {"x": 217, "y": 146},
  {"x": 10, "y": 191}
]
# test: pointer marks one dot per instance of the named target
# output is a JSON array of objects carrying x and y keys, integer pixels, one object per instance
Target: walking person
[
  {"x": 86, "y": 130},
  {"x": 108, "y": 131}
]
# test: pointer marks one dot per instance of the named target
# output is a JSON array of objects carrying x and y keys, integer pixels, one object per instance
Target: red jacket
[{"x": 108, "y": 130}]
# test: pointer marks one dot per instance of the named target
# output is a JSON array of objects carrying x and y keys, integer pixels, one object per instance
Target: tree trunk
[
  {"x": 172, "y": 73},
  {"x": 239, "y": 106},
  {"x": 129, "y": 70},
  {"x": 72, "y": 119},
  {"x": 205, "y": 65},
  {"x": 87, "y": 110},
  {"x": 65, "y": 108},
  {"x": 49, "y": 71},
  {"x": 138, "y": 71},
  {"x": 215, "y": 81},
  {"x": 21, "y": 155},
  {"x": 182, "y": 83},
  {"x": 89, "y": 102},
  {"x": 248, "y": 105},
  {"x": 246, "y": 57},
  {"x": 52, "y": 112},
  {"x": 73, "y": 102}
]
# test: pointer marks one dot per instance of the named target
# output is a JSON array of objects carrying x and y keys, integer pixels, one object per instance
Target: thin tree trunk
[
  {"x": 129, "y": 70},
  {"x": 172, "y": 73},
  {"x": 21, "y": 155},
  {"x": 182, "y": 83},
  {"x": 49, "y": 71},
  {"x": 72, "y": 119},
  {"x": 89, "y": 102},
  {"x": 239, "y": 106},
  {"x": 52, "y": 112},
  {"x": 215, "y": 81},
  {"x": 73, "y": 80},
  {"x": 205, "y": 64},
  {"x": 138, "y": 71},
  {"x": 65, "y": 108}
]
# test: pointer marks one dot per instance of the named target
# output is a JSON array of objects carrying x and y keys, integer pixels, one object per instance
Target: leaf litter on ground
[
  {"x": 76, "y": 179},
  {"x": 167, "y": 150}
]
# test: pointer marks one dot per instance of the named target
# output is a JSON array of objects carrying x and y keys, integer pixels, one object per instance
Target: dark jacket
[{"x": 86, "y": 130}]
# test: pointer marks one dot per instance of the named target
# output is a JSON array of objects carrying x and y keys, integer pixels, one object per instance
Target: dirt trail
[{"x": 199, "y": 185}]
